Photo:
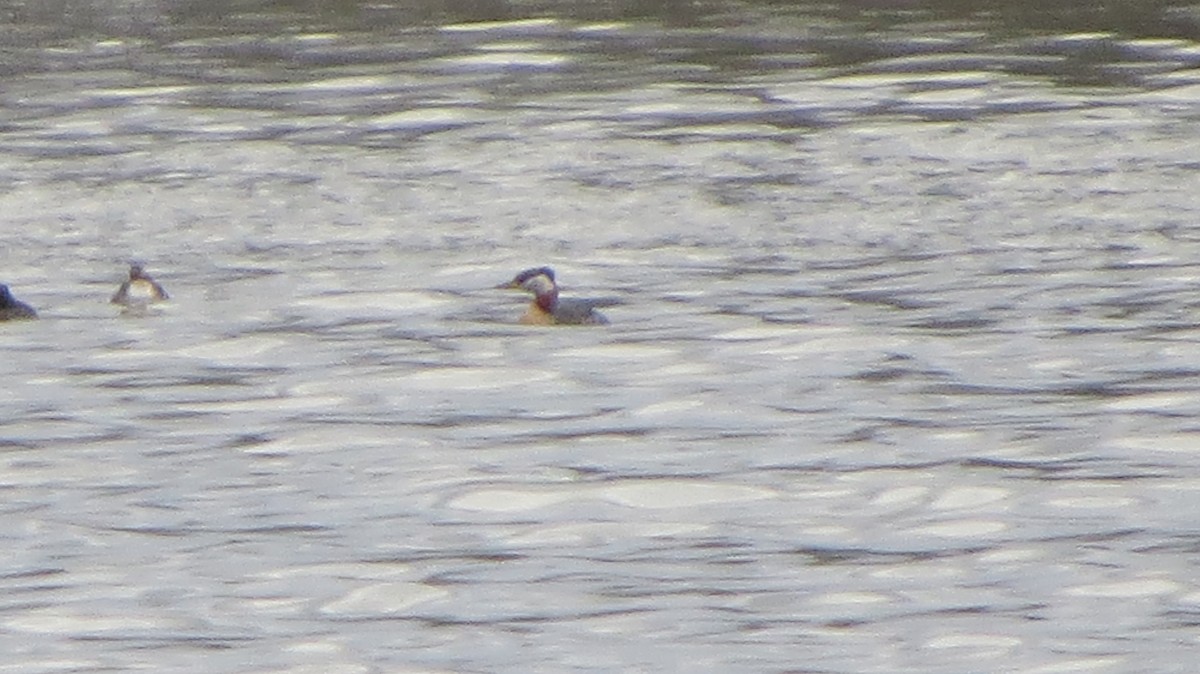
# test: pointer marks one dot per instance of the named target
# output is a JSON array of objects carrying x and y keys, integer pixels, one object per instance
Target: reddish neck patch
[{"x": 547, "y": 301}]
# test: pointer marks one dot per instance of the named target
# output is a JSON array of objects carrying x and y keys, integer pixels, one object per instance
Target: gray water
[{"x": 902, "y": 374}]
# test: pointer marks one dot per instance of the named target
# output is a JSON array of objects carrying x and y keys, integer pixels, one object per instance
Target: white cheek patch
[{"x": 539, "y": 285}]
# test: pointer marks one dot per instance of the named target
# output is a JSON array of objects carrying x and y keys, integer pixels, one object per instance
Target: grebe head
[{"x": 537, "y": 280}]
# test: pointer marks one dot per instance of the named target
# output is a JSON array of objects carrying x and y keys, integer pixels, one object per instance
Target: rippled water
[{"x": 901, "y": 377}]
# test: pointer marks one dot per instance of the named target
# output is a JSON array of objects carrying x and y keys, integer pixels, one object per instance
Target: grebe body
[
  {"x": 547, "y": 307},
  {"x": 139, "y": 290},
  {"x": 12, "y": 309}
]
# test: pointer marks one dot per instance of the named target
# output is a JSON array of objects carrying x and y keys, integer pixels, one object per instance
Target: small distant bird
[
  {"x": 140, "y": 290},
  {"x": 547, "y": 308},
  {"x": 12, "y": 309}
]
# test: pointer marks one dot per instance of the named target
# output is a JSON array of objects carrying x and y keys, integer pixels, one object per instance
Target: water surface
[{"x": 901, "y": 374}]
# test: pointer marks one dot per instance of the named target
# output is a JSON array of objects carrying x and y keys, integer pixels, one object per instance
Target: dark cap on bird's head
[{"x": 524, "y": 276}]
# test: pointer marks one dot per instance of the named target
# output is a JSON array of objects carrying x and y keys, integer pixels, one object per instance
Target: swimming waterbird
[{"x": 547, "y": 307}]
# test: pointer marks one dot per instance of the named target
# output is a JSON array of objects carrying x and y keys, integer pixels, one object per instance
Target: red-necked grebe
[
  {"x": 139, "y": 290},
  {"x": 547, "y": 307}
]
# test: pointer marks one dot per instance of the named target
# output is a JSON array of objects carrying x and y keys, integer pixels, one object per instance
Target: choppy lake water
[{"x": 902, "y": 374}]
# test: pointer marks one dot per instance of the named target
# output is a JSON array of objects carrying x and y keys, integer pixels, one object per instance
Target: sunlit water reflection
[{"x": 901, "y": 375}]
